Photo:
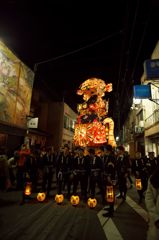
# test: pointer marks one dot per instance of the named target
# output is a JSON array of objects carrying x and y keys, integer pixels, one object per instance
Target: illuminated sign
[
  {"x": 142, "y": 91},
  {"x": 151, "y": 68},
  {"x": 32, "y": 123}
]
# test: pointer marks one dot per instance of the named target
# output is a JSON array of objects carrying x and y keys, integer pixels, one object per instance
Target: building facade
[
  {"x": 21, "y": 103},
  {"x": 151, "y": 110},
  {"x": 55, "y": 121},
  {"x": 16, "y": 83},
  {"x": 143, "y": 120}
]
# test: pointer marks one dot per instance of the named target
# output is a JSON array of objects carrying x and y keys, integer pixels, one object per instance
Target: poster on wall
[{"x": 16, "y": 83}]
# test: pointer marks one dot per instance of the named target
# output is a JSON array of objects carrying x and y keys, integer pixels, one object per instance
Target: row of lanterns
[
  {"x": 92, "y": 202},
  {"x": 74, "y": 200}
]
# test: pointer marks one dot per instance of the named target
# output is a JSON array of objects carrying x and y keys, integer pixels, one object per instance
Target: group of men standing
[
  {"x": 103, "y": 167},
  {"x": 79, "y": 172},
  {"x": 98, "y": 167}
]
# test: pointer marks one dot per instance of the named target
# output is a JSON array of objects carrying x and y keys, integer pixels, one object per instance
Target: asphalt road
[{"x": 47, "y": 220}]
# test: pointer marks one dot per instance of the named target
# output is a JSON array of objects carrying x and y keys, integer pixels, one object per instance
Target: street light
[{"x": 117, "y": 138}]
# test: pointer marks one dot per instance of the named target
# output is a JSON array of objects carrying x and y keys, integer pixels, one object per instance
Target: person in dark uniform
[
  {"x": 139, "y": 171},
  {"x": 48, "y": 171},
  {"x": 122, "y": 167},
  {"x": 151, "y": 163},
  {"x": 81, "y": 171},
  {"x": 31, "y": 169},
  {"x": 96, "y": 170},
  {"x": 65, "y": 171},
  {"x": 109, "y": 177}
]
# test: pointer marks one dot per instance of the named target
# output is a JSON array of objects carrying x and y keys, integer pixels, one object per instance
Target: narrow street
[{"x": 47, "y": 220}]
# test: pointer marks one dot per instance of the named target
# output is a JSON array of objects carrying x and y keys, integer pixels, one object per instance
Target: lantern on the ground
[
  {"x": 92, "y": 202},
  {"x": 138, "y": 184},
  {"x": 109, "y": 194},
  {"x": 74, "y": 200},
  {"x": 27, "y": 190},
  {"x": 41, "y": 196},
  {"x": 59, "y": 198}
]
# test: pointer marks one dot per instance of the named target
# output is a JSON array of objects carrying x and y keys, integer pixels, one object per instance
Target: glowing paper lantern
[
  {"x": 92, "y": 202},
  {"x": 27, "y": 190},
  {"x": 74, "y": 200},
  {"x": 138, "y": 184},
  {"x": 109, "y": 194},
  {"x": 59, "y": 198},
  {"x": 41, "y": 196}
]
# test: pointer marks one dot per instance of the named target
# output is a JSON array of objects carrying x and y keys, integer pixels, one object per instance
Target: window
[
  {"x": 69, "y": 123},
  {"x": 140, "y": 116},
  {"x": 72, "y": 125},
  {"x": 66, "y": 122}
]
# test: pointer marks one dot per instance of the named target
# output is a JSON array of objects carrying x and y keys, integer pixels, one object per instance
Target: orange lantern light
[
  {"x": 27, "y": 190},
  {"x": 59, "y": 198},
  {"x": 92, "y": 202},
  {"x": 138, "y": 184},
  {"x": 110, "y": 194},
  {"x": 41, "y": 196},
  {"x": 74, "y": 200}
]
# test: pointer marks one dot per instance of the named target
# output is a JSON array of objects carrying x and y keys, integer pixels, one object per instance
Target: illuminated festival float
[{"x": 93, "y": 127}]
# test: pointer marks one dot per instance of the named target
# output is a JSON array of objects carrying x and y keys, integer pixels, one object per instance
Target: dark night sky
[{"x": 128, "y": 30}]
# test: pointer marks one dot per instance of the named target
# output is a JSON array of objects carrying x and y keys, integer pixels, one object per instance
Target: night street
[
  {"x": 79, "y": 120},
  {"x": 48, "y": 220}
]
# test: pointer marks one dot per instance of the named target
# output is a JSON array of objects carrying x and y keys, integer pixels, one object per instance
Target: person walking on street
[
  {"x": 152, "y": 205},
  {"x": 122, "y": 166},
  {"x": 109, "y": 177}
]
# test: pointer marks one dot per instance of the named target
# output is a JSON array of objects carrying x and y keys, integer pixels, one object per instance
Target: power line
[
  {"x": 77, "y": 50},
  {"x": 127, "y": 88},
  {"x": 122, "y": 49},
  {"x": 129, "y": 51},
  {"x": 139, "y": 49},
  {"x": 131, "y": 39},
  {"x": 120, "y": 68}
]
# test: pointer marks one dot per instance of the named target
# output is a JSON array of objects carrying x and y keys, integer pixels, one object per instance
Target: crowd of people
[{"x": 79, "y": 172}]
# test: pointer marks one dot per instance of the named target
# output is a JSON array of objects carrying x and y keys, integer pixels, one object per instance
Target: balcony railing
[{"x": 152, "y": 119}]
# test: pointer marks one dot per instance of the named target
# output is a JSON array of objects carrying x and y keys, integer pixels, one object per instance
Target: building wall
[
  {"x": 68, "y": 128},
  {"x": 155, "y": 54},
  {"x": 151, "y": 110},
  {"x": 11, "y": 137},
  {"x": 51, "y": 119},
  {"x": 55, "y": 124},
  {"x": 152, "y": 130},
  {"x": 128, "y": 133},
  {"x": 51, "y": 116},
  {"x": 148, "y": 140},
  {"x": 15, "y": 100},
  {"x": 43, "y": 116}
]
